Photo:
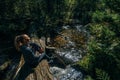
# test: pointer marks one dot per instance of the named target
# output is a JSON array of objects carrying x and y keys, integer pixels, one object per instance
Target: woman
[{"x": 22, "y": 44}]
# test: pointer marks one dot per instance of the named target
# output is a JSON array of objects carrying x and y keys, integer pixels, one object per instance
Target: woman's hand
[{"x": 41, "y": 50}]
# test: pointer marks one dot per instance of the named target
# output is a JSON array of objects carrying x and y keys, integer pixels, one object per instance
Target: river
[{"x": 70, "y": 53}]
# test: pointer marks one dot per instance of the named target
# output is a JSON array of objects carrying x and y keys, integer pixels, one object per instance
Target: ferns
[{"x": 102, "y": 75}]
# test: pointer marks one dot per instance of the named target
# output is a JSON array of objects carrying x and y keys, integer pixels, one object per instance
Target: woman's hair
[{"x": 18, "y": 40}]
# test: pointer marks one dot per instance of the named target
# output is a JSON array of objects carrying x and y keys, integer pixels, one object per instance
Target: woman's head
[
  {"x": 21, "y": 40},
  {"x": 26, "y": 39}
]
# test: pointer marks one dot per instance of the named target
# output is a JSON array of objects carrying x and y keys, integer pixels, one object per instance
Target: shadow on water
[{"x": 56, "y": 62}]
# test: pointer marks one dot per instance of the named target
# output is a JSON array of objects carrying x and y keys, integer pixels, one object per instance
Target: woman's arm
[
  {"x": 29, "y": 55},
  {"x": 37, "y": 47}
]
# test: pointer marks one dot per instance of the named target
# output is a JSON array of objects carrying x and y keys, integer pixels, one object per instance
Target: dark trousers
[{"x": 26, "y": 69}]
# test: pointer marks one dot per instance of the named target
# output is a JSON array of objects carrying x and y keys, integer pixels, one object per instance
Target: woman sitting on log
[{"x": 22, "y": 44}]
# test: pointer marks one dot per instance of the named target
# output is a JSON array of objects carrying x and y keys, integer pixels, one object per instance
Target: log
[{"x": 41, "y": 72}]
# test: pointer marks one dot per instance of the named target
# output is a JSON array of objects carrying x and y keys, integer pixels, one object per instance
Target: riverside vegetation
[{"x": 45, "y": 18}]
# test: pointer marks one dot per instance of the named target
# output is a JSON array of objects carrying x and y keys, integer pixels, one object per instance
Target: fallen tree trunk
[{"x": 41, "y": 72}]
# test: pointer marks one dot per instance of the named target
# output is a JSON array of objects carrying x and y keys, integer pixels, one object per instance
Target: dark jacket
[{"x": 29, "y": 53}]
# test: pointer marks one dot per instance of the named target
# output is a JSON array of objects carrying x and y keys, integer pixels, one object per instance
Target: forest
[{"x": 46, "y": 17}]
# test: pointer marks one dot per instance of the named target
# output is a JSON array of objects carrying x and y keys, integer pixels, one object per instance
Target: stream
[{"x": 70, "y": 54}]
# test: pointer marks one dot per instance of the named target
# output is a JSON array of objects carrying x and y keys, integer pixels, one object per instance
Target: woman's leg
[
  {"x": 24, "y": 72},
  {"x": 43, "y": 56}
]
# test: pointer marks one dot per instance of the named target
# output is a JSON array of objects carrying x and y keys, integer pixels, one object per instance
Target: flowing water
[{"x": 70, "y": 54}]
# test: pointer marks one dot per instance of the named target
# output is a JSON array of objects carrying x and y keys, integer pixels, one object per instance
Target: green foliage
[
  {"x": 113, "y": 5},
  {"x": 84, "y": 9},
  {"x": 103, "y": 45},
  {"x": 88, "y": 78},
  {"x": 87, "y": 62},
  {"x": 104, "y": 16},
  {"x": 101, "y": 40},
  {"x": 102, "y": 75},
  {"x": 47, "y": 15},
  {"x": 99, "y": 16}
]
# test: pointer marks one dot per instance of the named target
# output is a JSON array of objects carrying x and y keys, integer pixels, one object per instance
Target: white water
[
  {"x": 67, "y": 74},
  {"x": 70, "y": 55}
]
